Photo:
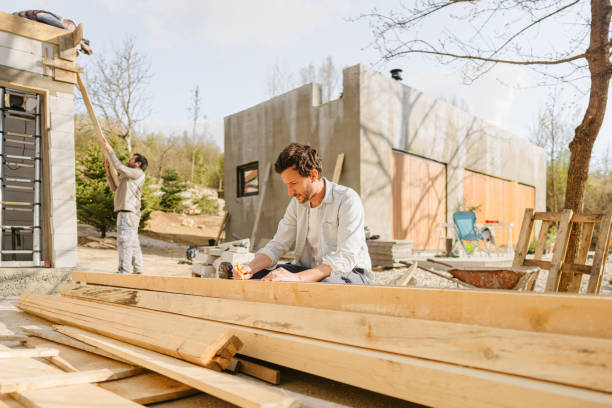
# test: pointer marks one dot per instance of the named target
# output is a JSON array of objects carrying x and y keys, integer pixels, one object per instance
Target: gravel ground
[{"x": 428, "y": 280}]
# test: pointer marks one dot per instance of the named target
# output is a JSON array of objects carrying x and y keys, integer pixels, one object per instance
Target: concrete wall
[
  {"x": 375, "y": 115},
  {"x": 21, "y": 63},
  {"x": 261, "y": 132},
  {"x": 396, "y": 116}
]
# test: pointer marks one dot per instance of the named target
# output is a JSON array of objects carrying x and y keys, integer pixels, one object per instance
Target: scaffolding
[{"x": 20, "y": 177}]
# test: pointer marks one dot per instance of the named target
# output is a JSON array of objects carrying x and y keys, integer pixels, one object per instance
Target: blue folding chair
[{"x": 465, "y": 227}]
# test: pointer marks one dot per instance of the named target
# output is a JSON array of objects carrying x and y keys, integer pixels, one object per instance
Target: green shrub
[{"x": 207, "y": 205}]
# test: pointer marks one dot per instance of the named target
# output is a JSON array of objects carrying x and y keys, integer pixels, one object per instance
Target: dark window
[{"x": 248, "y": 179}]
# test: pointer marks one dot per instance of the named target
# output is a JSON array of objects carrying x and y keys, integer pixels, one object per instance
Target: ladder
[{"x": 20, "y": 178}]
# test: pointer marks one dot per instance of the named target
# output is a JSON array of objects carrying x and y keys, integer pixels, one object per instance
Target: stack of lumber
[
  {"x": 206, "y": 262},
  {"x": 433, "y": 347},
  {"x": 388, "y": 253}
]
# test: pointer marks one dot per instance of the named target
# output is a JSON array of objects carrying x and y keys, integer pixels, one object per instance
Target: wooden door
[
  {"x": 497, "y": 200},
  {"x": 419, "y": 200}
]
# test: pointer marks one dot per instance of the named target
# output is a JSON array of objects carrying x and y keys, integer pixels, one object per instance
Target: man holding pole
[{"x": 128, "y": 195}]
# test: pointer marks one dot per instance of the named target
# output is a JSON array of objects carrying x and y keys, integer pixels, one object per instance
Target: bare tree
[
  {"x": 118, "y": 89},
  {"x": 328, "y": 78},
  {"x": 553, "y": 132},
  {"x": 279, "y": 81},
  {"x": 561, "y": 39},
  {"x": 194, "y": 110}
]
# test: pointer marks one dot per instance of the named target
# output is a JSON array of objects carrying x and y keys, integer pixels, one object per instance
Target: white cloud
[{"x": 230, "y": 22}]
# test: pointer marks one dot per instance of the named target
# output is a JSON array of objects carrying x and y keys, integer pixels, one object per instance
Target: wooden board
[
  {"x": 48, "y": 333},
  {"x": 551, "y": 313},
  {"x": 34, "y": 382},
  {"x": 421, "y": 381},
  {"x": 83, "y": 360},
  {"x": 72, "y": 396},
  {"x": 148, "y": 388},
  {"x": 143, "y": 388},
  {"x": 259, "y": 371},
  {"x": 58, "y": 397},
  {"x": 418, "y": 189},
  {"x": 567, "y": 359},
  {"x": 154, "y": 331},
  {"x": 224, "y": 386},
  {"x": 30, "y": 29}
]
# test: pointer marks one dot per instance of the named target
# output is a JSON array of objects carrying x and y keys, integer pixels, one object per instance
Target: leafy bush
[
  {"x": 207, "y": 205},
  {"x": 172, "y": 186}
]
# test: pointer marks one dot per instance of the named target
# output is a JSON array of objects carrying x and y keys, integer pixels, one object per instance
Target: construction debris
[
  {"x": 206, "y": 262},
  {"x": 388, "y": 253}
]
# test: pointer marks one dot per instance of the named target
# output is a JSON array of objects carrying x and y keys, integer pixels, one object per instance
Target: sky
[{"x": 228, "y": 48}]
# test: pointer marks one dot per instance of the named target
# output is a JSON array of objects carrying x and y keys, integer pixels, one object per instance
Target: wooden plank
[
  {"x": 61, "y": 397},
  {"x": 30, "y": 29},
  {"x": 143, "y": 388},
  {"x": 426, "y": 382},
  {"x": 541, "y": 242},
  {"x": 171, "y": 337},
  {"x": 523, "y": 241},
  {"x": 547, "y": 216},
  {"x": 82, "y": 395},
  {"x": 96, "y": 125},
  {"x": 64, "y": 75},
  {"x": 259, "y": 371},
  {"x": 338, "y": 168},
  {"x": 62, "y": 64},
  {"x": 587, "y": 218},
  {"x": 82, "y": 360},
  {"x": 26, "y": 353},
  {"x": 13, "y": 337},
  {"x": 559, "y": 250},
  {"x": 534, "y": 355},
  {"x": 53, "y": 336},
  {"x": 585, "y": 243},
  {"x": 20, "y": 384},
  {"x": 148, "y": 388},
  {"x": 601, "y": 251},
  {"x": 552, "y": 313},
  {"x": 262, "y": 196},
  {"x": 223, "y": 386}
]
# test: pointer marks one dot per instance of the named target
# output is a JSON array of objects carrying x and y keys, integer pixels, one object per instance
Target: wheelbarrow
[{"x": 512, "y": 278}]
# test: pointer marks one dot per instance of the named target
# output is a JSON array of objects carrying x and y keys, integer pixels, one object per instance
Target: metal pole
[{"x": 37, "y": 180}]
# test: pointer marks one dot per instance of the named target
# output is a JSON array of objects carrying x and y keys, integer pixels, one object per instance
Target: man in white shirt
[{"x": 324, "y": 221}]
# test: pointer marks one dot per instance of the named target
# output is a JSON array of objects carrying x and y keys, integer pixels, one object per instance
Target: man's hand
[
  {"x": 281, "y": 275},
  {"x": 247, "y": 272},
  {"x": 107, "y": 146}
]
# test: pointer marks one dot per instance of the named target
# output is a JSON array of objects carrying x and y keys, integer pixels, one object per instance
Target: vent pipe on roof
[{"x": 396, "y": 74}]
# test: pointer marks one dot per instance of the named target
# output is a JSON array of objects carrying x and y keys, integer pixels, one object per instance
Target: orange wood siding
[
  {"x": 419, "y": 200},
  {"x": 501, "y": 200}
]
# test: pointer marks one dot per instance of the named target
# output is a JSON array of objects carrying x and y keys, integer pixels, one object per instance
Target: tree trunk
[{"x": 598, "y": 58}]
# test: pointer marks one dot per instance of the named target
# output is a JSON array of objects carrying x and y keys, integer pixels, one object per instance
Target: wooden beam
[
  {"x": 523, "y": 241},
  {"x": 338, "y": 168},
  {"x": 259, "y": 371},
  {"x": 559, "y": 250},
  {"x": 571, "y": 360},
  {"x": 31, "y": 29},
  {"x": 148, "y": 388},
  {"x": 96, "y": 125},
  {"x": 66, "y": 66},
  {"x": 551, "y": 313},
  {"x": 20, "y": 384},
  {"x": 172, "y": 335},
  {"x": 420, "y": 381},
  {"x": 223, "y": 386},
  {"x": 13, "y": 337},
  {"x": 28, "y": 353},
  {"x": 47, "y": 333},
  {"x": 262, "y": 196}
]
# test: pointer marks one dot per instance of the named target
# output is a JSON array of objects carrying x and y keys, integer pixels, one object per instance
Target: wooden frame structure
[{"x": 559, "y": 264}]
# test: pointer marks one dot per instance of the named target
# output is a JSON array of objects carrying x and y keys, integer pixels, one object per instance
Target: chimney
[{"x": 396, "y": 74}]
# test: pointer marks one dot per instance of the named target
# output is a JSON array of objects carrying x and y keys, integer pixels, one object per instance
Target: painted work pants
[{"x": 128, "y": 246}]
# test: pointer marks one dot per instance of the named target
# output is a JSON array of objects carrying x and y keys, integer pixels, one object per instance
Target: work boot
[{"x": 225, "y": 270}]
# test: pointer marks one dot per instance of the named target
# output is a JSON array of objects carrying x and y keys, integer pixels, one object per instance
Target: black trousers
[{"x": 355, "y": 277}]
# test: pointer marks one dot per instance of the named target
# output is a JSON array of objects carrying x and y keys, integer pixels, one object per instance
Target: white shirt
[{"x": 313, "y": 232}]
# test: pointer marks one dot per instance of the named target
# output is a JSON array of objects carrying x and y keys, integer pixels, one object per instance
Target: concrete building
[
  {"x": 37, "y": 77},
  {"x": 414, "y": 160}
]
